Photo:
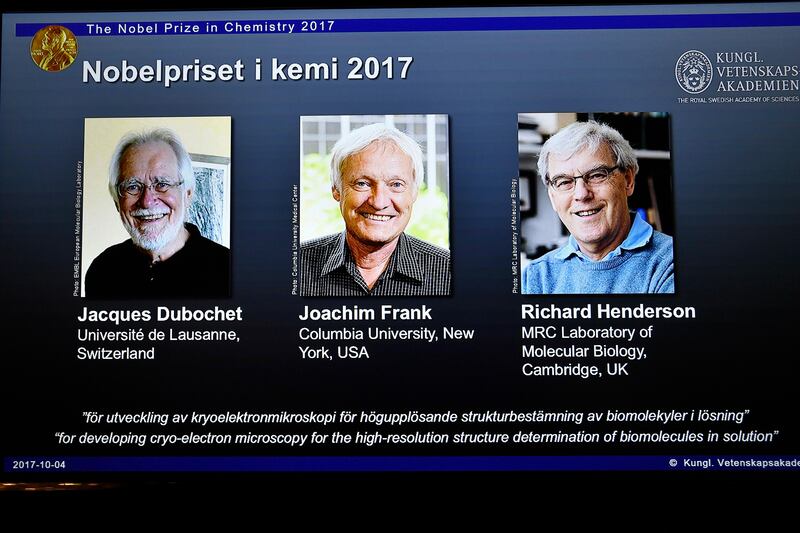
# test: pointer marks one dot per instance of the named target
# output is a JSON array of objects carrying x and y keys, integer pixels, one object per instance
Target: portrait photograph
[
  {"x": 374, "y": 205},
  {"x": 595, "y": 203},
  {"x": 156, "y": 208}
]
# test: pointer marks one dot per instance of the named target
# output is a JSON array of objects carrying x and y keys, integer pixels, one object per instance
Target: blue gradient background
[{"x": 735, "y": 197}]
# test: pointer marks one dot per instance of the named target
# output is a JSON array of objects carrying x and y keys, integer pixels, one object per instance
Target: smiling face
[
  {"x": 596, "y": 216},
  {"x": 153, "y": 220},
  {"x": 378, "y": 192}
]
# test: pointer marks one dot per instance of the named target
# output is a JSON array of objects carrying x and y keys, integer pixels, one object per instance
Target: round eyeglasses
[
  {"x": 135, "y": 188},
  {"x": 593, "y": 177}
]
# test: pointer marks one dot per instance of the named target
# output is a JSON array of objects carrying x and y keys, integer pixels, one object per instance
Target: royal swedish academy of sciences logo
[
  {"x": 54, "y": 48},
  {"x": 694, "y": 71}
]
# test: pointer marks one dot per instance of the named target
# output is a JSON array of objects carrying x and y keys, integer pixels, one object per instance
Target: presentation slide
[{"x": 474, "y": 239}]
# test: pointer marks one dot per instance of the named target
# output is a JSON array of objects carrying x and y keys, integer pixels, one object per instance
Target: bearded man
[{"x": 152, "y": 184}]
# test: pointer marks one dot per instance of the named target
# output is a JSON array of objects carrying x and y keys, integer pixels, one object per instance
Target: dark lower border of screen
[{"x": 147, "y": 464}]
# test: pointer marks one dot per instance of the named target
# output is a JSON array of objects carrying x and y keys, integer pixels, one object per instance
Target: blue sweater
[{"x": 646, "y": 269}]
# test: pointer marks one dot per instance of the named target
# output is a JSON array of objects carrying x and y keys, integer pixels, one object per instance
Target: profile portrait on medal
[
  {"x": 156, "y": 221},
  {"x": 54, "y": 48},
  {"x": 596, "y": 203},
  {"x": 374, "y": 200}
]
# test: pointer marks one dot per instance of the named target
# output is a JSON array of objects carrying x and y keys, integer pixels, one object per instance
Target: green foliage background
[{"x": 319, "y": 212}]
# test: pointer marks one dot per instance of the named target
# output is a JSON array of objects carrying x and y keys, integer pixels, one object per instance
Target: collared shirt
[
  {"x": 201, "y": 269},
  {"x": 639, "y": 235},
  {"x": 416, "y": 268},
  {"x": 643, "y": 263}
]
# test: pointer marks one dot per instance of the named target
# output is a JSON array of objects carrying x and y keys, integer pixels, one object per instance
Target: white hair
[
  {"x": 358, "y": 139},
  {"x": 590, "y": 136},
  {"x": 133, "y": 139}
]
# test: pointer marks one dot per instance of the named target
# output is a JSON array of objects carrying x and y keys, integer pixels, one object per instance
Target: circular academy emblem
[
  {"x": 694, "y": 71},
  {"x": 54, "y": 48}
]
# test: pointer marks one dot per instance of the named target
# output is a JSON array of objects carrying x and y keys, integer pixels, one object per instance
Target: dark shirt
[
  {"x": 415, "y": 268},
  {"x": 201, "y": 269}
]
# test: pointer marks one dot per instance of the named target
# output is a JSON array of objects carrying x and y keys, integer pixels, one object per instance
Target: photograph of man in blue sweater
[{"x": 589, "y": 172}]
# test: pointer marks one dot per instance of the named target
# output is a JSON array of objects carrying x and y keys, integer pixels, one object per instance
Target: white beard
[{"x": 156, "y": 242}]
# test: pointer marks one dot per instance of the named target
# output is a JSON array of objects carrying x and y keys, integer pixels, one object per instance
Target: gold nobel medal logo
[{"x": 54, "y": 48}]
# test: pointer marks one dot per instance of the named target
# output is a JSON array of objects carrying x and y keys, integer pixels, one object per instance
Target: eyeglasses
[
  {"x": 135, "y": 188},
  {"x": 593, "y": 177}
]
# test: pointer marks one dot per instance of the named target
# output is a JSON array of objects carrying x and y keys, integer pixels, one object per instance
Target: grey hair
[
  {"x": 587, "y": 136},
  {"x": 358, "y": 139},
  {"x": 133, "y": 139}
]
